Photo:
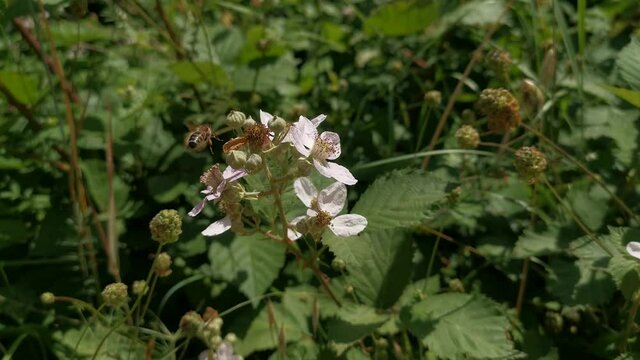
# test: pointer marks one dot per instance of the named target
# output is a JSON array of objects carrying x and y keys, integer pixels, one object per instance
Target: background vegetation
[{"x": 461, "y": 260}]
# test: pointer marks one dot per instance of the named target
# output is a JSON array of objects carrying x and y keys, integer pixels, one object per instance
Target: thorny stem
[
  {"x": 475, "y": 57},
  {"x": 575, "y": 217},
  {"x": 593, "y": 176}
]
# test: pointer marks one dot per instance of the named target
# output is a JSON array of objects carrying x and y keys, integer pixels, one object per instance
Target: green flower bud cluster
[
  {"x": 468, "y": 137},
  {"x": 162, "y": 264},
  {"x": 500, "y": 62},
  {"x": 501, "y": 108},
  {"x": 433, "y": 97},
  {"x": 139, "y": 287},
  {"x": 166, "y": 226},
  {"x": 530, "y": 163},
  {"x": 115, "y": 295}
]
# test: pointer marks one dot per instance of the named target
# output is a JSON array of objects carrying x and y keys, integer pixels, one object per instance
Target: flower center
[
  {"x": 322, "y": 149},
  {"x": 257, "y": 135},
  {"x": 212, "y": 177},
  {"x": 323, "y": 219}
]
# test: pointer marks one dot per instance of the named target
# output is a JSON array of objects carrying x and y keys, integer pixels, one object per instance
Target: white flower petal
[
  {"x": 265, "y": 117},
  {"x": 307, "y": 130},
  {"x": 633, "y": 248},
  {"x": 334, "y": 140},
  {"x": 207, "y": 191},
  {"x": 231, "y": 174},
  {"x": 332, "y": 198},
  {"x": 292, "y": 234},
  {"x": 311, "y": 213},
  {"x": 305, "y": 190},
  {"x": 318, "y": 119},
  {"x": 218, "y": 227},
  {"x": 198, "y": 208},
  {"x": 335, "y": 171},
  {"x": 298, "y": 140},
  {"x": 214, "y": 196},
  {"x": 348, "y": 225}
]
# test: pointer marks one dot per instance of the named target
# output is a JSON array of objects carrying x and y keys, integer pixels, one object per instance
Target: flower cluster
[
  {"x": 501, "y": 108},
  {"x": 530, "y": 163},
  {"x": 280, "y": 153},
  {"x": 208, "y": 328}
]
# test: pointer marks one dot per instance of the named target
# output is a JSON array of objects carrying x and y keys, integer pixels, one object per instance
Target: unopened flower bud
[
  {"x": 191, "y": 323},
  {"x": 501, "y": 108},
  {"x": 231, "y": 338},
  {"x": 166, "y": 226},
  {"x": 277, "y": 124},
  {"x": 468, "y": 137},
  {"x": 47, "y": 298},
  {"x": 532, "y": 97},
  {"x": 500, "y": 62},
  {"x": 338, "y": 264},
  {"x": 248, "y": 123},
  {"x": 215, "y": 341},
  {"x": 115, "y": 294},
  {"x": 236, "y": 159},
  {"x": 548, "y": 69},
  {"x": 456, "y": 285},
  {"x": 553, "y": 322},
  {"x": 303, "y": 167},
  {"x": 162, "y": 264},
  {"x": 139, "y": 287},
  {"x": 433, "y": 97},
  {"x": 236, "y": 119},
  {"x": 382, "y": 343},
  {"x": 419, "y": 295},
  {"x": 254, "y": 163},
  {"x": 468, "y": 116},
  {"x": 530, "y": 163},
  {"x": 348, "y": 289}
]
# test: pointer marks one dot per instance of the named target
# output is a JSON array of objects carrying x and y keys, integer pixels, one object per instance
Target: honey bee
[{"x": 199, "y": 137}]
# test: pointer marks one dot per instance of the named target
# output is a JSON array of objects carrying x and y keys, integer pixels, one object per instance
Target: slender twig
[
  {"x": 475, "y": 57},
  {"x": 631, "y": 320},
  {"x": 50, "y": 61},
  {"x": 111, "y": 249}
]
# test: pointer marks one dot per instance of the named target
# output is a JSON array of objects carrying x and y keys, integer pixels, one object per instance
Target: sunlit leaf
[{"x": 400, "y": 18}]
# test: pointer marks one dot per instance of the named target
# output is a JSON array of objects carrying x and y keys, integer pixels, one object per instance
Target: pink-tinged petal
[
  {"x": 207, "y": 191},
  {"x": 265, "y": 117},
  {"x": 333, "y": 141},
  {"x": 318, "y": 120},
  {"x": 218, "y": 227},
  {"x": 293, "y": 234},
  {"x": 348, "y": 225},
  {"x": 332, "y": 198},
  {"x": 231, "y": 174},
  {"x": 198, "y": 208},
  {"x": 214, "y": 197},
  {"x": 633, "y": 248},
  {"x": 335, "y": 171},
  {"x": 305, "y": 190}
]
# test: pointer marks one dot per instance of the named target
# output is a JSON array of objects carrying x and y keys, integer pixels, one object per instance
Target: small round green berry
[
  {"x": 231, "y": 338},
  {"x": 115, "y": 294},
  {"x": 235, "y": 119},
  {"x": 338, "y": 264},
  {"x": 191, "y": 323},
  {"x": 47, "y": 298},
  {"x": 166, "y": 226},
  {"x": 456, "y": 285}
]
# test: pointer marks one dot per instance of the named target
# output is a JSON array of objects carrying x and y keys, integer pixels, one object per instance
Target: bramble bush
[{"x": 319, "y": 180}]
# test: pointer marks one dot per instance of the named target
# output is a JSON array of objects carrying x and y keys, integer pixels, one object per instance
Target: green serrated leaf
[
  {"x": 456, "y": 326},
  {"x": 630, "y": 96},
  {"x": 353, "y": 322},
  {"x": 291, "y": 314},
  {"x": 401, "y": 199},
  {"x": 112, "y": 345},
  {"x": 22, "y": 86},
  {"x": 532, "y": 243},
  {"x": 196, "y": 72},
  {"x": 401, "y": 18},
  {"x": 252, "y": 261},
  {"x": 580, "y": 282},
  {"x": 383, "y": 267},
  {"x": 629, "y": 65}
]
